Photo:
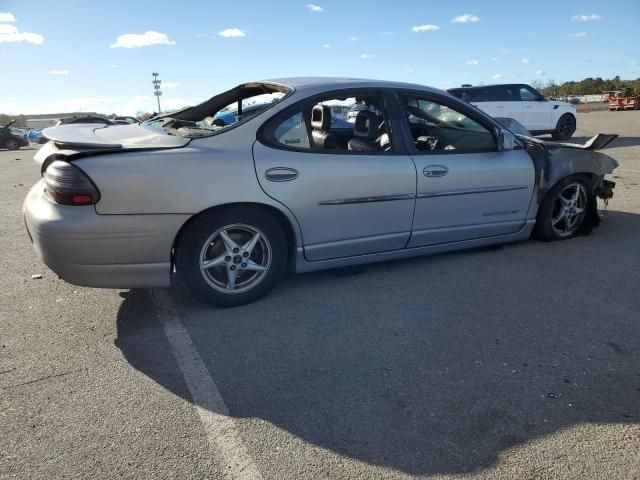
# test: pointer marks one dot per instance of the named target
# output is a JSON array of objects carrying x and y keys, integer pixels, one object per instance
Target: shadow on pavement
[{"x": 431, "y": 365}]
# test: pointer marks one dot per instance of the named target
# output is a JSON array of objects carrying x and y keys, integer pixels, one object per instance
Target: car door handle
[
  {"x": 281, "y": 174},
  {"x": 435, "y": 171}
]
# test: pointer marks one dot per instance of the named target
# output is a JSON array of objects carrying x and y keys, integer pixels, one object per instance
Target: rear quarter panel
[{"x": 208, "y": 172}]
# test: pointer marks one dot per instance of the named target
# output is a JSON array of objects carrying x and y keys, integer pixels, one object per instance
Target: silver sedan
[{"x": 270, "y": 176}]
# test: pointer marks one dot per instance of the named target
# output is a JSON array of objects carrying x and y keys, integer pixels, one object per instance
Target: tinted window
[
  {"x": 528, "y": 95},
  {"x": 505, "y": 93},
  {"x": 438, "y": 128}
]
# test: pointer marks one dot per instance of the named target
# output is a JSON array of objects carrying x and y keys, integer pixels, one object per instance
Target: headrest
[
  {"x": 320, "y": 117},
  {"x": 366, "y": 125}
]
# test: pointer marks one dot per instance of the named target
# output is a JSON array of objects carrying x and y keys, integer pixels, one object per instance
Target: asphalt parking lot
[{"x": 521, "y": 361}]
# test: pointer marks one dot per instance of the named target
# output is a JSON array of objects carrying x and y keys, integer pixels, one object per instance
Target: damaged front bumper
[{"x": 604, "y": 189}]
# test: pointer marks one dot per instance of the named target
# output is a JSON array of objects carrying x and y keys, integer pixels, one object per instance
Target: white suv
[{"x": 524, "y": 104}]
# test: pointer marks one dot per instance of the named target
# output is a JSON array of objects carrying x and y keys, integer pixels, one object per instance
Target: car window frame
[
  {"x": 265, "y": 134},
  {"x": 537, "y": 95},
  {"x": 450, "y": 101}
]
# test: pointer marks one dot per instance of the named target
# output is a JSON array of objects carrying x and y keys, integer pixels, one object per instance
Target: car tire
[
  {"x": 12, "y": 144},
  {"x": 246, "y": 251},
  {"x": 565, "y": 210},
  {"x": 565, "y": 128}
]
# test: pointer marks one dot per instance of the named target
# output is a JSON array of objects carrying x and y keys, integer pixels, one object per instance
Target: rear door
[
  {"x": 346, "y": 203},
  {"x": 466, "y": 188},
  {"x": 507, "y": 100}
]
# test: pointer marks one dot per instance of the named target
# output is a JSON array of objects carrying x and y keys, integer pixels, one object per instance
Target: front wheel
[
  {"x": 565, "y": 128},
  {"x": 232, "y": 257},
  {"x": 564, "y": 210},
  {"x": 12, "y": 144}
]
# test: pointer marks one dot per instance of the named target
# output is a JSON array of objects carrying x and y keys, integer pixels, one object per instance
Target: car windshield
[{"x": 222, "y": 112}]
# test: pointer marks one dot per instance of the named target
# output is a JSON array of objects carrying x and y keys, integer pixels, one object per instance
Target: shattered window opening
[{"x": 222, "y": 112}]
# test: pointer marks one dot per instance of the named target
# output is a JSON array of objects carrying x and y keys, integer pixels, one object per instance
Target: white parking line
[
  {"x": 220, "y": 428},
  {"x": 627, "y": 170}
]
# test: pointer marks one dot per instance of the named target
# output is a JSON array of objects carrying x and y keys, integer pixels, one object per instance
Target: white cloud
[
  {"x": 494, "y": 59},
  {"x": 326, "y": 45},
  {"x": 425, "y": 28},
  {"x": 497, "y": 76},
  {"x": 353, "y": 39},
  {"x": 232, "y": 32},
  {"x": 8, "y": 29},
  {"x": 466, "y": 18},
  {"x": 409, "y": 70},
  {"x": 540, "y": 73},
  {"x": 577, "y": 35},
  {"x": 314, "y": 8},
  {"x": 146, "y": 39},
  {"x": 11, "y": 34},
  {"x": 633, "y": 62},
  {"x": 472, "y": 61},
  {"x": 387, "y": 33},
  {"x": 366, "y": 56},
  {"x": 526, "y": 60},
  {"x": 7, "y": 17},
  {"x": 585, "y": 18},
  {"x": 59, "y": 72},
  {"x": 169, "y": 85},
  {"x": 114, "y": 66}
]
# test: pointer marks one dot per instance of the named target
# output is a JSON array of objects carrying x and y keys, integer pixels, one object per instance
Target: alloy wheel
[
  {"x": 12, "y": 144},
  {"x": 569, "y": 210},
  {"x": 235, "y": 258},
  {"x": 567, "y": 127}
]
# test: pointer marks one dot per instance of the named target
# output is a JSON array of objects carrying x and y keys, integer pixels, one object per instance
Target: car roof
[
  {"x": 344, "y": 82},
  {"x": 474, "y": 87}
]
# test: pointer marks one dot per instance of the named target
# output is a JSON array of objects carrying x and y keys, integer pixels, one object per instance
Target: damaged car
[{"x": 229, "y": 208}]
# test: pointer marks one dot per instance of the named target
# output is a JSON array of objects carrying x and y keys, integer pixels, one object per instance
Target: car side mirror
[{"x": 506, "y": 141}]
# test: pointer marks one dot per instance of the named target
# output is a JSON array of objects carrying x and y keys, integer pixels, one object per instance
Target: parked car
[
  {"x": 524, "y": 104},
  {"x": 230, "y": 116},
  {"x": 9, "y": 140},
  {"x": 86, "y": 119},
  {"x": 124, "y": 120},
  {"x": 229, "y": 209}
]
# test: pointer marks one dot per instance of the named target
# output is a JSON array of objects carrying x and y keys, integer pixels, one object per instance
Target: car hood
[
  {"x": 596, "y": 142},
  {"x": 114, "y": 137}
]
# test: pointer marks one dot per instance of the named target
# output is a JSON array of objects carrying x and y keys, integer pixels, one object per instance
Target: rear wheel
[
  {"x": 565, "y": 128},
  {"x": 232, "y": 257},
  {"x": 564, "y": 210},
  {"x": 12, "y": 144}
]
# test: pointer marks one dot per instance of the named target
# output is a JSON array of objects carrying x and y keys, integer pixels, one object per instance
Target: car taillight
[{"x": 67, "y": 184}]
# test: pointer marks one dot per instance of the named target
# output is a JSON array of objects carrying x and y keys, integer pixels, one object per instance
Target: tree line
[{"x": 588, "y": 86}]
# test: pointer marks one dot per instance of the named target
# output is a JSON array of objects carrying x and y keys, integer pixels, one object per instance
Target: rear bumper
[{"x": 107, "y": 251}]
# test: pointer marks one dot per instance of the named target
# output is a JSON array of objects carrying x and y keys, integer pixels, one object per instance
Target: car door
[
  {"x": 466, "y": 187},
  {"x": 537, "y": 110},
  {"x": 346, "y": 203},
  {"x": 507, "y": 102}
]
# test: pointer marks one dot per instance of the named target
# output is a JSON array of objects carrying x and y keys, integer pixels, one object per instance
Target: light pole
[{"x": 156, "y": 88}]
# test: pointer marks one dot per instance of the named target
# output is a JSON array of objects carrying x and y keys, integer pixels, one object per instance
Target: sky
[{"x": 72, "y": 55}]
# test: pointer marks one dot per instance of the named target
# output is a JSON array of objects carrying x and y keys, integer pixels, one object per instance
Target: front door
[
  {"x": 346, "y": 202},
  {"x": 537, "y": 111},
  {"x": 466, "y": 188}
]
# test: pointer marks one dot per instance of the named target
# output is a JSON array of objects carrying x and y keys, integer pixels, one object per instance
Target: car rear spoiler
[{"x": 596, "y": 142}]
